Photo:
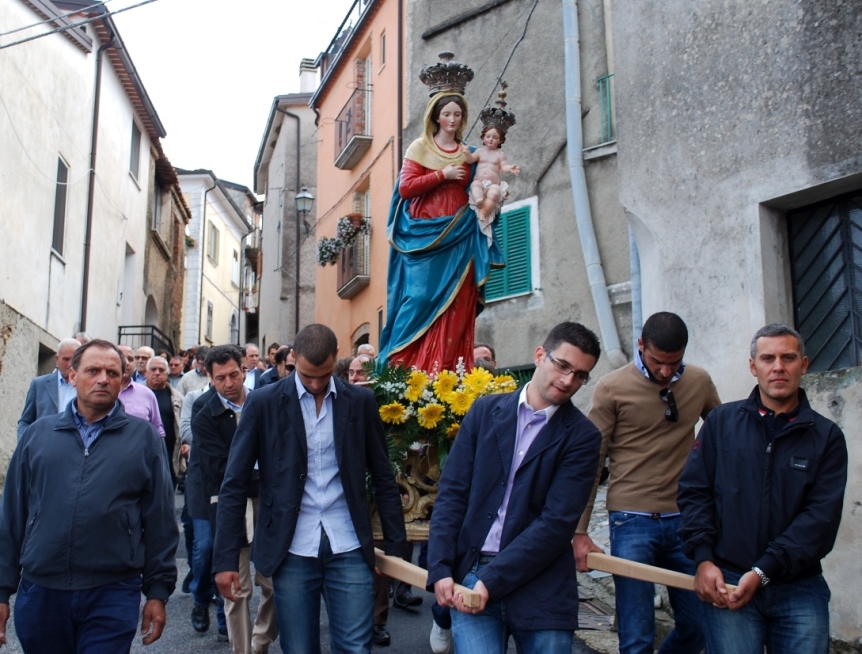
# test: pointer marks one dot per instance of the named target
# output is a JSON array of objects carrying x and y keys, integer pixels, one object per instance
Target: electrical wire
[
  {"x": 508, "y": 61},
  {"x": 73, "y": 25},
  {"x": 51, "y": 20}
]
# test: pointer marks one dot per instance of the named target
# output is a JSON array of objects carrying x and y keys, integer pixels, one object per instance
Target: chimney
[{"x": 307, "y": 76}]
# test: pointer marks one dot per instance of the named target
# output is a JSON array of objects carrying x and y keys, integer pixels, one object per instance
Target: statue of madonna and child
[{"x": 442, "y": 246}]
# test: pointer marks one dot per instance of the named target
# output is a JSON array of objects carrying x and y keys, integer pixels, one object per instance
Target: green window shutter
[{"x": 513, "y": 231}]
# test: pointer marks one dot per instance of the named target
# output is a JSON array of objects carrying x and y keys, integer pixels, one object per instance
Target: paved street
[{"x": 409, "y": 628}]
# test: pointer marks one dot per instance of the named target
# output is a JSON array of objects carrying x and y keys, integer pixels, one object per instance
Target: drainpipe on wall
[
  {"x": 637, "y": 305},
  {"x": 91, "y": 191},
  {"x": 586, "y": 231},
  {"x": 400, "y": 94},
  {"x": 298, "y": 235},
  {"x": 203, "y": 254}
]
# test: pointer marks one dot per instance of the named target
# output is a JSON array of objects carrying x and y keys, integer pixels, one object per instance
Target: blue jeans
[
  {"x": 488, "y": 632},
  {"x": 202, "y": 585},
  {"x": 103, "y": 619},
  {"x": 790, "y": 617},
  {"x": 346, "y": 583},
  {"x": 653, "y": 541}
]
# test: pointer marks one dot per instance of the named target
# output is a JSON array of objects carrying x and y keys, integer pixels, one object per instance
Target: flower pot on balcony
[{"x": 355, "y": 219}]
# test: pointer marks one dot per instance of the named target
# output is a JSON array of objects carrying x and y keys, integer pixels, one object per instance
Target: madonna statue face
[{"x": 449, "y": 103}]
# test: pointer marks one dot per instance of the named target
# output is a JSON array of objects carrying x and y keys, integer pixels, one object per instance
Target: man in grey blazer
[
  {"x": 49, "y": 394},
  {"x": 314, "y": 438}
]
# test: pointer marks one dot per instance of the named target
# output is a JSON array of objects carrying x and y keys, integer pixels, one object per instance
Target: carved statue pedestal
[{"x": 418, "y": 485}]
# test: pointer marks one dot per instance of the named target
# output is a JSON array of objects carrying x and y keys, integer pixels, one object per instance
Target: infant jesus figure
[{"x": 488, "y": 192}]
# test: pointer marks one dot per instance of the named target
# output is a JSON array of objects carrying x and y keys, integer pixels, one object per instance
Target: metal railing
[
  {"x": 352, "y": 120},
  {"x": 136, "y": 336},
  {"x": 354, "y": 267}
]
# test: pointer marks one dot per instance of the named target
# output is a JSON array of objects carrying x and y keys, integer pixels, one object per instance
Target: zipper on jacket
[
  {"x": 769, "y": 448},
  {"x": 86, "y": 451}
]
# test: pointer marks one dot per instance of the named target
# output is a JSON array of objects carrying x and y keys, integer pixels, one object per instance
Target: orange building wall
[{"x": 376, "y": 171}]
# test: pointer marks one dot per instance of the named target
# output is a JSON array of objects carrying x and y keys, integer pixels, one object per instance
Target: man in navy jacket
[
  {"x": 514, "y": 486},
  {"x": 87, "y": 521},
  {"x": 761, "y": 498},
  {"x": 314, "y": 438}
]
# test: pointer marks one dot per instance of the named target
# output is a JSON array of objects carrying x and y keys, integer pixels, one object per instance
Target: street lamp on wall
[{"x": 304, "y": 202}]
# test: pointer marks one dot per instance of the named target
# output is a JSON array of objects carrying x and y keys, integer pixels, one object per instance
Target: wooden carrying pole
[
  {"x": 642, "y": 571},
  {"x": 411, "y": 574}
]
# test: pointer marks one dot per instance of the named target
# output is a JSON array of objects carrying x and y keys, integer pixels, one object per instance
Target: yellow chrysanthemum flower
[
  {"x": 430, "y": 415},
  {"x": 416, "y": 384},
  {"x": 445, "y": 383},
  {"x": 505, "y": 383},
  {"x": 460, "y": 401},
  {"x": 393, "y": 413},
  {"x": 452, "y": 431},
  {"x": 478, "y": 380}
]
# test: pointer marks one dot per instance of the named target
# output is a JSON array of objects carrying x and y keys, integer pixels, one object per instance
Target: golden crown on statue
[
  {"x": 498, "y": 117},
  {"x": 446, "y": 75}
]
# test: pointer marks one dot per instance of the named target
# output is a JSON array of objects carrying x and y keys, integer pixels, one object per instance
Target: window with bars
[
  {"x": 825, "y": 243},
  {"x": 512, "y": 229}
]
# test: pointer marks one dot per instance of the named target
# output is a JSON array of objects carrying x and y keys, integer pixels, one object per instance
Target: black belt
[{"x": 486, "y": 558}]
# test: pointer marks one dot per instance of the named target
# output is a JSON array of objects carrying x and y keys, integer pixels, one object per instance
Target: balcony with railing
[
  {"x": 354, "y": 267},
  {"x": 353, "y": 129}
]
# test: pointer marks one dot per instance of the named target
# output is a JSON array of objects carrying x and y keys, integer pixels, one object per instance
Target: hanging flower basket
[
  {"x": 328, "y": 250},
  {"x": 347, "y": 231}
]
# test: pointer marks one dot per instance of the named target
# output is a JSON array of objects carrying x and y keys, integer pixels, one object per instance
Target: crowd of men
[{"x": 276, "y": 457}]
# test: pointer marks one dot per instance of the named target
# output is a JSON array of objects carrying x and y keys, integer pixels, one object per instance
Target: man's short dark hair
[
  {"x": 317, "y": 343},
  {"x": 773, "y": 330},
  {"x": 490, "y": 349},
  {"x": 575, "y": 334},
  {"x": 282, "y": 353},
  {"x": 221, "y": 354},
  {"x": 665, "y": 331},
  {"x": 201, "y": 353},
  {"x": 101, "y": 344},
  {"x": 273, "y": 346}
]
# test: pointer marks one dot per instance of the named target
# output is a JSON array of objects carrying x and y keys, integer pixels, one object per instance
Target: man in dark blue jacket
[
  {"x": 315, "y": 439},
  {"x": 513, "y": 489},
  {"x": 87, "y": 521},
  {"x": 761, "y": 498}
]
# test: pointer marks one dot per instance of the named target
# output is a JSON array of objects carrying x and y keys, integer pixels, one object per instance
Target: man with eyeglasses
[
  {"x": 514, "y": 485},
  {"x": 142, "y": 357},
  {"x": 647, "y": 412}
]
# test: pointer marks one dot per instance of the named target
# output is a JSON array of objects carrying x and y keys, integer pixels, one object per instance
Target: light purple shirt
[
  {"x": 323, "y": 504},
  {"x": 141, "y": 402},
  {"x": 530, "y": 425}
]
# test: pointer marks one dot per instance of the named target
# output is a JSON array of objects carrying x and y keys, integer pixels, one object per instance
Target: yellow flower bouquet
[{"x": 417, "y": 407}]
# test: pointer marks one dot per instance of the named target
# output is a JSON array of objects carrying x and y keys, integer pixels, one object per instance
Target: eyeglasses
[
  {"x": 140, "y": 357},
  {"x": 563, "y": 369},
  {"x": 671, "y": 414}
]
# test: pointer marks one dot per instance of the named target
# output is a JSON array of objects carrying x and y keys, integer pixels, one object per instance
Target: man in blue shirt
[
  {"x": 315, "y": 437},
  {"x": 50, "y": 393}
]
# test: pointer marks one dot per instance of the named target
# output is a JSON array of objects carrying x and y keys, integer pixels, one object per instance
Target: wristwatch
[{"x": 763, "y": 578}]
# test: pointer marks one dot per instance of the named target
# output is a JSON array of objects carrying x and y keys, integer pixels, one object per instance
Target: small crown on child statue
[
  {"x": 498, "y": 117},
  {"x": 446, "y": 75}
]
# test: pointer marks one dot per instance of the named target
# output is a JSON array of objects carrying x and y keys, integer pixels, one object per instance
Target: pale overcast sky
[{"x": 212, "y": 68}]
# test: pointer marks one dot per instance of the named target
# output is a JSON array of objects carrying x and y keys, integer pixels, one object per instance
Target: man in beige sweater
[{"x": 647, "y": 412}]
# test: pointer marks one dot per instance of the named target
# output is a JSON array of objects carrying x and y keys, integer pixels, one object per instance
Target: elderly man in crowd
[
  {"x": 175, "y": 369},
  {"x": 50, "y": 393},
  {"x": 142, "y": 357},
  {"x": 170, "y": 402},
  {"x": 137, "y": 399}
]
